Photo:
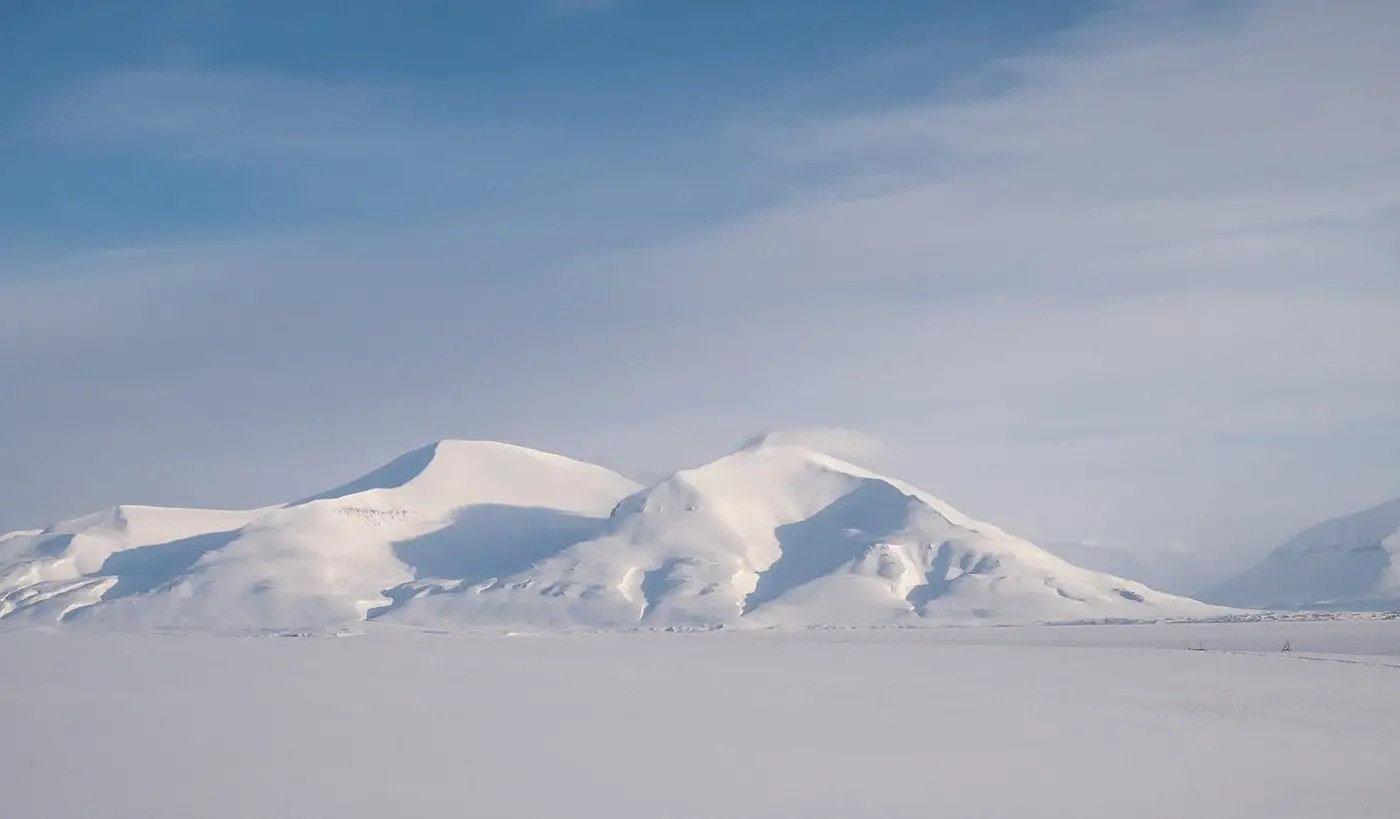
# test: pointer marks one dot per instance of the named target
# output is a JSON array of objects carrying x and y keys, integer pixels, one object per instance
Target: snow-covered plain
[{"x": 1048, "y": 721}]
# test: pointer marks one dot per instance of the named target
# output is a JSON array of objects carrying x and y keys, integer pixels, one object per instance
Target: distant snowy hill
[
  {"x": 480, "y": 535},
  {"x": 1348, "y": 563}
]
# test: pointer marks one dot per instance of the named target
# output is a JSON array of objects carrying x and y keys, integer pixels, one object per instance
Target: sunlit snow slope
[
  {"x": 1350, "y": 563},
  {"x": 479, "y": 535}
]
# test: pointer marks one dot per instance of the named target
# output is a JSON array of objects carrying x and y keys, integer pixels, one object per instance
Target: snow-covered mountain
[
  {"x": 472, "y": 535},
  {"x": 1348, "y": 563},
  {"x": 455, "y": 508}
]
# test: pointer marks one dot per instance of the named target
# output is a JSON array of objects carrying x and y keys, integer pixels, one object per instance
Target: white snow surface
[
  {"x": 464, "y": 535},
  {"x": 1045, "y": 722},
  {"x": 1348, "y": 563}
]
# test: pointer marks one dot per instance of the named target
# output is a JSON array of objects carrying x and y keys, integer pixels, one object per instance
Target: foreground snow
[
  {"x": 1111, "y": 722},
  {"x": 482, "y": 535}
]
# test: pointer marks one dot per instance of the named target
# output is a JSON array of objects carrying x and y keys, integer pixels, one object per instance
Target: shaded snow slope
[
  {"x": 1351, "y": 562},
  {"x": 468, "y": 535},
  {"x": 55, "y": 572}
]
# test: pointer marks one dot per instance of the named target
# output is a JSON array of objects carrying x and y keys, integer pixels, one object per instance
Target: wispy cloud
[
  {"x": 1174, "y": 217},
  {"x": 243, "y": 116}
]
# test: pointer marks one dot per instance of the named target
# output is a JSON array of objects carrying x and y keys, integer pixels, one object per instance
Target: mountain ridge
[{"x": 480, "y": 534}]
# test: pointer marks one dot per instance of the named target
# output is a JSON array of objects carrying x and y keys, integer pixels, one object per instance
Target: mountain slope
[
  {"x": 1351, "y": 562},
  {"x": 484, "y": 535},
  {"x": 782, "y": 535},
  {"x": 52, "y": 573},
  {"x": 316, "y": 563}
]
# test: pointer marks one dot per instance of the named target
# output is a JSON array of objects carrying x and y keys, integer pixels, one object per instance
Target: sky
[{"x": 1126, "y": 272}]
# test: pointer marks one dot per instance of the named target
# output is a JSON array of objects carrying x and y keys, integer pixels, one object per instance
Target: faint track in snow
[{"x": 1372, "y": 662}]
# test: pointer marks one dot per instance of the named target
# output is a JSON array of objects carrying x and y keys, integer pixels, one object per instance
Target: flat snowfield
[{"x": 1084, "y": 722}]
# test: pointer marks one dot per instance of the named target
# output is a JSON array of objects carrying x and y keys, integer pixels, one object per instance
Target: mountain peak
[{"x": 451, "y": 472}]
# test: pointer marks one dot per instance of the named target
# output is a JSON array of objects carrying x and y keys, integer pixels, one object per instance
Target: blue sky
[
  {"x": 145, "y": 121},
  {"x": 1111, "y": 270}
]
